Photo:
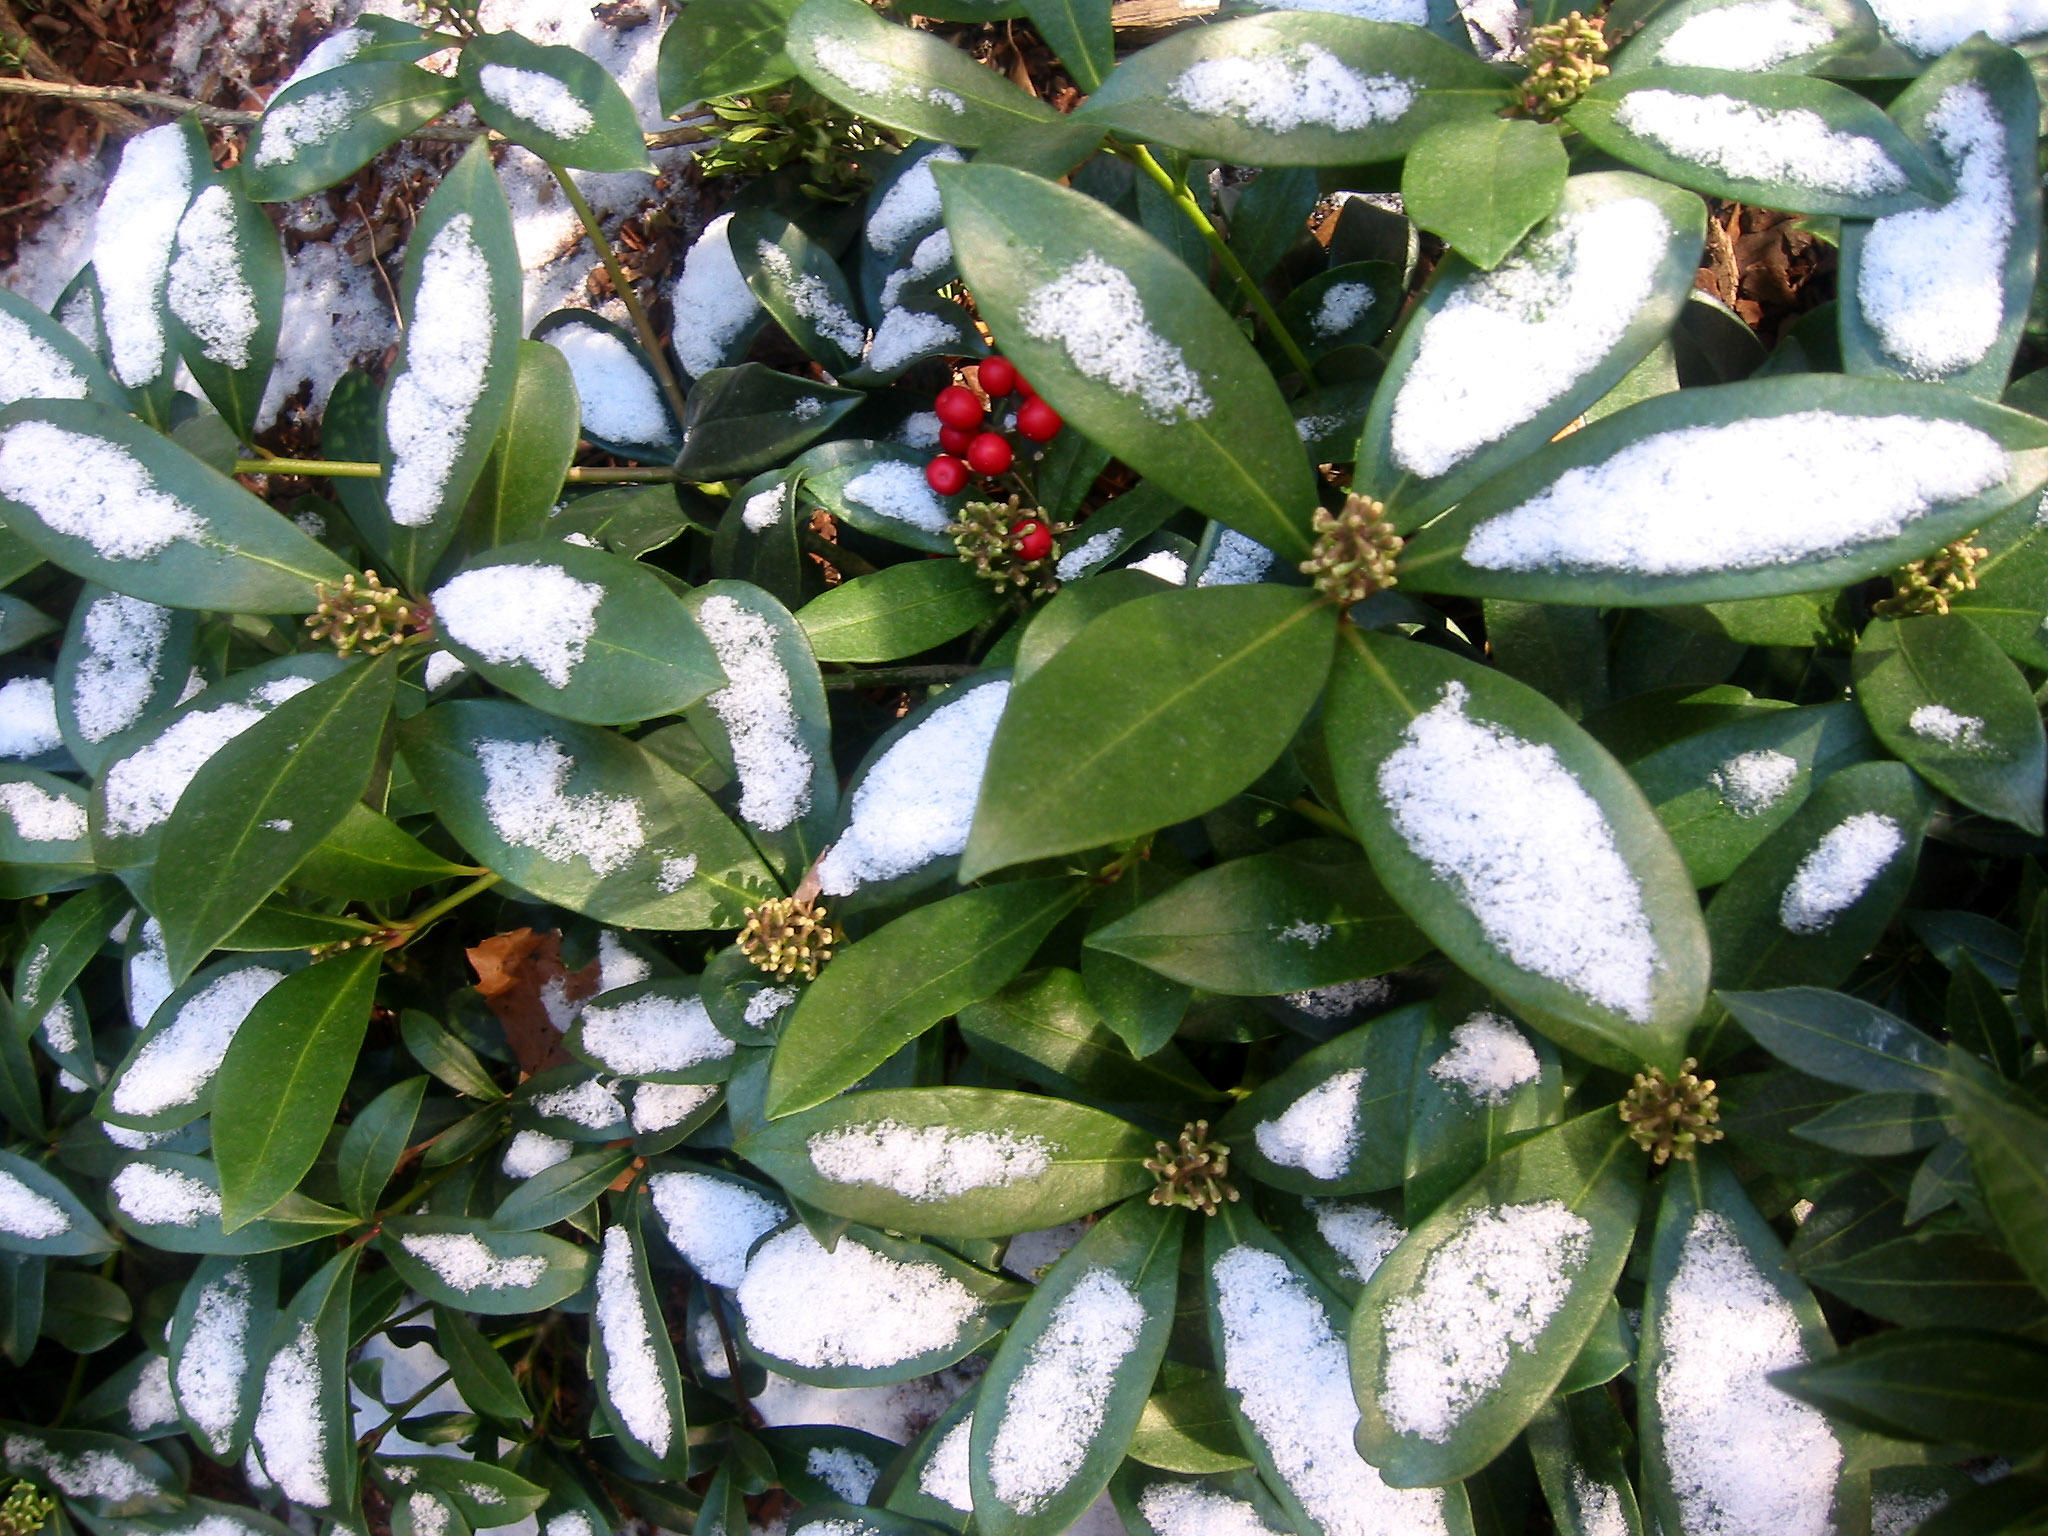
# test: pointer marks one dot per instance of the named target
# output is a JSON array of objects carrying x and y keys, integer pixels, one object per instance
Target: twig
[
  {"x": 237, "y": 117},
  {"x": 898, "y": 677},
  {"x": 111, "y": 117}
]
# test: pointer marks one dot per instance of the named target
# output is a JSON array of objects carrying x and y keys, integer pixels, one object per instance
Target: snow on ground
[{"x": 338, "y": 308}]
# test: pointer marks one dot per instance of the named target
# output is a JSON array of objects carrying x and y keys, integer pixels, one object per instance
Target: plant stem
[
  {"x": 630, "y": 475},
  {"x": 1185, "y": 201},
  {"x": 334, "y": 469},
  {"x": 370, "y": 1440},
  {"x": 1308, "y": 810},
  {"x": 898, "y": 677},
  {"x": 650, "y": 342},
  {"x": 448, "y": 904}
]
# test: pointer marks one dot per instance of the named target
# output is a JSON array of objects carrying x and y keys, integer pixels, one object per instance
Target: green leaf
[
  {"x": 173, "y": 1204},
  {"x": 898, "y": 611},
  {"x": 44, "y": 1216},
  {"x": 1032, "y": 251},
  {"x": 582, "y": 817},
  {"x": 653, "y": 1032},
  {"x": 1296, "y": 88},
  {"x": 164, "y": 1082},
  {"x": 1702, "y": 1404},
  {"x": 1946, "y": 1386},
  {"x": 1920, "y": 333},
  {"x": 1045, "y": 1028},
  {"x": 453, "y": 382},
  {"x": 904, "y": 79},
  {"x": 1278, "y": 1337},
  {"x": 283, "y": 1078},
  {"x": 582, "y": 633},
  {"x": 68, "y": 368},
  {"x": 1721, "y": 792},
  {"x": 1840, "y": 1039},
  {"x": 1946, "y": 702},
  {"x": 1159, "y": 710},
  {"x": 1484, "y": 183},
  {"x": 446, "y": 1057},
  {"x": 1080, "y": 35},
  {"x": 1427, "y": 743},
  {"x": 557, "y": 1193},
  {"x": 1336, "y": 1121},
  {"x": 953, "y": 1162},
  {"x": 1308, "y": 915},
  {"x": 1980, "y": 1019},
  {"x": 1878, "y": 1124},
  {"x": 1187, "y": 1428},
  {"x": 2010, "y": 603},
  {"x": 1818, "y": 893},
  {"x": 616, "y": 396},
  {"x": 1438, "y": 1403},
  {"x": 204, "y": 543},
  {"x": 522, "y": 479},
  {"x": 466, "y": 1263},
  {"x": 558, "y": 102},
  {"x": 302, "y": 1428},
  {"x": 481, "y": 1376},
  {"x": 1844, "y": 27},
  {"x": 1443, "y": 421},
  {"x": 106, "y": 1473},
  {"x": 1480, "y": 1086},
  {"x": 265, "y": 801},
  {"x": 330, "y": 125},
  {"x": 644, "y": 1399},
  {"x": 1101, "y": 1316},
  {"x": 1580, "y": 1444},
  {"x": 105, "y": 629},
  {"x": 1714, "y": 130},
  {"x": 1930, "y": 466},
  {"x": 370, "y": 858},
  {"x": 1234, "y": 1498},
  {"x": 881, "y": 993},
  {"x": 1143, "y": 1007},
  {"x": 2008, "y": 1140},
  {"x": 722, "y": 48},
  {"x": 1938, "y": 1276},
  {"x": 799, "y": 283},
  {"x": 375, "y": 1143},
  {"x": 59, "y": 948},
  {"x": 225, "y": 298},
  {"x": 43, "y": 841},
  {"x": 739, "y": 421}
]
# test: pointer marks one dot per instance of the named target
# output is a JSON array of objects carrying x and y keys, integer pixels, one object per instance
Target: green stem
[
  {"x": 334, "y": 469},
  {"x": 1308, "y": 810},
  {"x": 897, "y": 677},
  {"x": 371, "y": 1440},
  {"x": 650, "y": 342},
  {"x": 1185, "y": 201},
  {"x": 448, "y": 904},
  {"x": 622, "y": 475}
]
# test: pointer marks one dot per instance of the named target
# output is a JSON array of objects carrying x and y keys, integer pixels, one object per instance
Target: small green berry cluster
[
  {"x": 1565, "y": 59},
  {"x": 1009, "y": 546},
  {"x": 1355, "y": 551},
  {"x": 371, "y": 617},
  {"x": 1672, "y": 1118},
  {"x": 785, "y": 935},
  {"x": 1194, "y": 1176},
  {"x": 1930, "y": 585}
]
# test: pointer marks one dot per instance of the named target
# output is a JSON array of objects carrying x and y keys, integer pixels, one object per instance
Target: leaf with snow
[
  {"x": 225, "y": 297},
  {"x": 323, "y": 129},
  {"x": 39, "y": 1214},
  {"x": 467, "y": 1264},
  {"x": 1521, "y": 847},
  {"x": 799, "y": 283},
  {"x": 558, "y": 102}
]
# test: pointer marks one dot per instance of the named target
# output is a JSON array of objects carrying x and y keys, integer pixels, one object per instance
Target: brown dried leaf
[{"x": 521, "y": 976}]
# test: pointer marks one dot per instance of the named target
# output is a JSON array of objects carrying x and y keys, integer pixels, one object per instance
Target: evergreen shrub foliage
[{"x": 1476, "y": 831}]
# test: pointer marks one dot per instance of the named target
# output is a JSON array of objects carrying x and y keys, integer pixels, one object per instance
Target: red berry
[
  {"x": 954, "y": 440},
  {"x": 1034, "y": 539},
  {"x": 1038, "y": 421},
  {"x": 989, "y": 454},
  {"x": 998, "y": 376},
  {"x": 946, "y": 475},
  {"x": 1024, "y": 388},
  {"x": 957, "y": 407}
]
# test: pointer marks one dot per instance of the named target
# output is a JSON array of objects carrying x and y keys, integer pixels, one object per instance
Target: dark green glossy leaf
[
  {"x": 898, "y": 611},
  {"x": 59, "y": 948},
  {"x": 1309, "y": 916},
  {"x": 446, "y": 1057},
  {"x": 953, "y": 1162},
  {"x": 204, "y": 541},
  {"x": 1296, "y": 88},
  {"x": 375, "y": 1142},
  {"x": 470, "y": 1265},
  {"x": 52, "y": 363},
  {"x": 799, "y": 283},
  {"x": 558, "y": 102},
  {"x": 1187, "y": 1428},
  {"x": 283, "y": 1078},
  {"x": 167, "y": 1078},
  {"x": 1480, "y": 1086},
  {"x": 722, "y": 48},
  {"x": 1045, "y": 1028},
  {"x": 741, "y": 420},
  {"x": 1439, "y": 1401},
  {"x": 228, "y": 1304},
  {"x": 1038, "y": 256},
  {"x": 582, "y": 817},
  {"x": 557, "y": 1193},
  {"x": 171, "y": 1201},
  {"x": 2010, "y": 603},
  {"x": 224, "y": 301},
  {"x": 1726, "y": 134},
  {"x": 904, "y": 79},
  {"x": 1940, "y": 1276},
  {"x": 1891, "y": 323},
  {"x": 106, "y": 1473},
  {"x": 1154, "y": 1504},
  {"x": 1336, "y": 1121},
  {"x": 880, "y": 488},
  {"x": 481, "y": 1375},
  {"x": 1580, "y": 1446},
  {"x": 1947, "y": 1386},
  {"x": 522, "y": 479},
  {"x": 582, "y": 633},
  {"x": 1483, "y": 183},
  {"x": 1878, "y": 1124},
  {"x": 1929, "y": 466},
  {"x": 2007, "y": 1135},
  {"x": 1079, "y": 34},
  {"x": 1840, "y": 1039},
  {"x": 263, "y": 802},
  {"x": 453, "y": 382},
  {"x": 1980, "y": 1019},
  {"x": 1160, "y": 710},
  {"x": 123, "y": 660},
  {"x": 302, "y": 1425},
  {"x": 1817, "y": 894},
  {"x": 884, "y": 991},
  {"x": 370, "y": 858},
  {"x": 1942, "y": 698},
  {"x": 1102, "y": 1315},
  {"x": 1429, "y": 745},
  {"x": 332, "y": 124}
]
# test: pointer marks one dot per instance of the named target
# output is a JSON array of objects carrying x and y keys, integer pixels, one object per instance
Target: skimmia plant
[{"x": 1384, "y": 875}]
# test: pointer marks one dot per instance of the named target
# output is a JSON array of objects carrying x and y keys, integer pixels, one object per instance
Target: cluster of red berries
[{"x": 965, "y": 442}]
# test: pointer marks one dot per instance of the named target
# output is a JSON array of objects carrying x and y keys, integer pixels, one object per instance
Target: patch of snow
[
  {"x": 1361, "y": 1233},
  {"x": 634, "y": 1389},
  {"x": 92, "y": 489},
  {"x": 28, "y": 718},
  {"x": 136, "y": 232},
  {"x": 1489, "y": 1059},
  {"x": 850, "y": 1307},
  {"x": 526, "y": 795},
  {"x": 538, "y": 98},
  {"x": 927, "y": 1162},
  {"x": 1840, "y": 869},
  {"x": 1750, "y": 143},
  {"x": 1237, "y": 560},
  {"x": 1939, "y": 723},
  {"x": 176, "y": 1064},
  {"x": 1758, "y": 35},
  {"x": 711, "y": 301},
  {"x": 712, "y": 1222},
  {"x": 1093, "y": 310},
  {"x": 1750, "y": 783},
  {"x": 446, "y": 364},
  {"x": 621, "y": 402},
  {"x": 1318, "y": 1132},
  {"x": 756, "y": 708},
  {"x": 532, "y": 615},
  {"x": 207, "y": 290},
  {"x": 1285, "y": 89}
]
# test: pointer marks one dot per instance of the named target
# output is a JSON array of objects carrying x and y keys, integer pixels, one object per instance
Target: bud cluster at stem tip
[
  {"x": 1672, "y": 1118},
  {"x": 1355, "y": 551},
  {"x": 787, "y": 934}
]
